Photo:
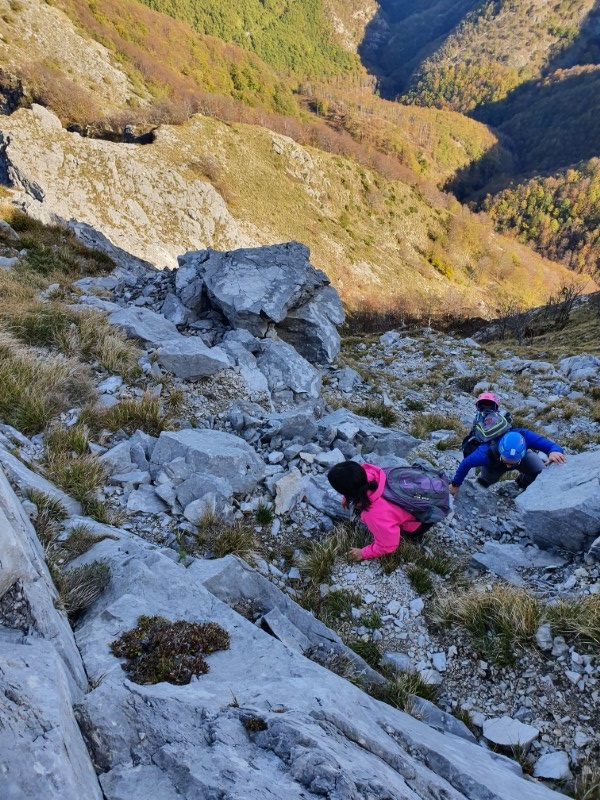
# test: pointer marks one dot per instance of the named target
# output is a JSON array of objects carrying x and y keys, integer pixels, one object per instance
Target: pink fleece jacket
[{"x": 385, "y": 520}]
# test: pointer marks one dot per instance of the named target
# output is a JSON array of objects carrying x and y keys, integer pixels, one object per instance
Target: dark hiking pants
[
  {"x": 417, "y": 536},
  {"x": 529, "y": 468}
]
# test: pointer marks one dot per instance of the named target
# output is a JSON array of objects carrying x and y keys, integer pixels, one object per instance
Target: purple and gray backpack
[{"x": 419, "y": 489}]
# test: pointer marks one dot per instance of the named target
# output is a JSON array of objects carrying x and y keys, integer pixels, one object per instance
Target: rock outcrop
[
  {"x": 562, "y": 508},
  {"x": 160, "y": 212}
]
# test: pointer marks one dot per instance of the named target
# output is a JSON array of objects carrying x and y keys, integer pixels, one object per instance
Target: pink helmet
[{"x": 487, "y": 400}]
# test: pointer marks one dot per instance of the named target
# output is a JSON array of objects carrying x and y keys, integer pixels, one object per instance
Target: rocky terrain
[{"x": 246, "y": 341}]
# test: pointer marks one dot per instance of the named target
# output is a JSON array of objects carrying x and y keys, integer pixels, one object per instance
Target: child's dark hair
[{"x": 350, "y": 479}]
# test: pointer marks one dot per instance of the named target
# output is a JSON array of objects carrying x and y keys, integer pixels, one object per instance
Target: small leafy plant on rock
[
  {"x": 255, "y": 724},
  {"x": 159, "y": 650}
]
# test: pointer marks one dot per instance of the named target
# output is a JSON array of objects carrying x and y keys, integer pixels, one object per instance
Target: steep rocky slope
[{"x": 197, "y": 444}]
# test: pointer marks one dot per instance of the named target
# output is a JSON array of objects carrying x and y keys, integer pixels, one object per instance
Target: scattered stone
[
  {"x": 508, "y": 732},
  {"x": 553, "y": 766}
]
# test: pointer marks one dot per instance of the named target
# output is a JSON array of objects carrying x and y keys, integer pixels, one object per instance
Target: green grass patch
[
  {"x": 339, "y": 604},
  {"x": 371, "y": 620},
  {"x": 420, "y": 579},
  {"x": 414, "y": 405},
  {"x": 379, "y": 412},
  {"x": 265, "y": 514},
  {"x": 396, "y": 691},
  {"x": 424, "y": 424},
  {"x": 369, "y": 651}
]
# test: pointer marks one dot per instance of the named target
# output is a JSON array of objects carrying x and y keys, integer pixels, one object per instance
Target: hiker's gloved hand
[
  {"x": 355, "y": 554},
  {"x": 454, "y": 490},
  {"x": 556, "y": 458}
]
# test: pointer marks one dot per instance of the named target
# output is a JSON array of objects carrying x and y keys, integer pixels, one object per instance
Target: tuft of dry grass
[
  {"x": 424, "y": 424},
  {"x": 36, "y": 387},
  {"x": 80, "y": 540},
  {"x": 505, "y": 618},
  {"x": 320, "y": 556},
  {"x": 587, "y": 783},
  {"x": 238, "y": 539},
  {"x": 397, "y": 690},
  {"x": 50, "y": 513},
  {"x": 78, "y": 476},
  {"x": 83, "y": 333},
  {"x": 63, "y": 439},
  {"x": 379, "y": 412},
  {"x": 500, "y": 620},
  {"x": 79, "y": 588},
  {"x": 577, "y": 620},
  {"x": 137, "y": 413}
]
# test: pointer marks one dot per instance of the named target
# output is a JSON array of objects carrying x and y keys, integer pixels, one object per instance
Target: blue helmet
[{"x": 512, "y": 447}]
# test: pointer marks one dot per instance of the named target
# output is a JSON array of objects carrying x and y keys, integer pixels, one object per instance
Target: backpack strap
[{"x": 493, "y": 452}]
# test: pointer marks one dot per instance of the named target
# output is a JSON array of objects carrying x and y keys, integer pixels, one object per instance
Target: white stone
[
  {"x": 416, "y": 606},
  {"x": 330, "y": 458},
  {"x": 439, "y": 661},
  {"x": 431, "y": 677},
  {"x": 110, "y": 385},
  {"x": 145, "y": 500},
  {"x": 553, "y": 766},
  {"x": 288, "y": 490},
  {"x": 509, "y": 732}
]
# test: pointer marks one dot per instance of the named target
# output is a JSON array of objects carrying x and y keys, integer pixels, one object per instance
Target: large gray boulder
[
  {"x": 322, "y": 496},
  {"x": 141, "y": 323},
  {"x": 562, "y": 507},
  {"x": 311, "y": 328},
  {"x": 290, "y": 378},
  {"x": 506, "y": 559},
  {"x": 298, "y": 425},
  {"x": 42, "y": 753},
  {"x": 189, "y": 358},
  {"x": 240, "y": 346},
  {"x": 23, "y": 568},
  {"x": 255, "y": 287},
  {"x": 211, "y": 455}
]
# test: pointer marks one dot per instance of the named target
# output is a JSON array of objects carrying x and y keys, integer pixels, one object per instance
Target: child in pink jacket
[{"x": 362, "y": 487}]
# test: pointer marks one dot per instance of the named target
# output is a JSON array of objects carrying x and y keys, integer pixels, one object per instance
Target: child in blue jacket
[{"x": 511, "y": 451}]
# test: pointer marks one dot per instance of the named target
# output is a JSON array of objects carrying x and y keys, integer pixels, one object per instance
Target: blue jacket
[{"x": 482, "y": 456}]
